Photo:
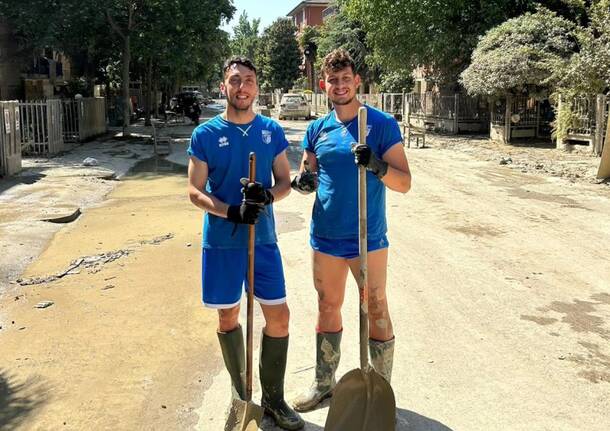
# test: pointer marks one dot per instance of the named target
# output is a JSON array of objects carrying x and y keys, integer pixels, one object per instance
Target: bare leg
[
  {"x": 276, "y": 320},
  {"x": 329, "y": 275},
  {"x": 380, "y": 324},
  {"x": 228, "y": 319}
]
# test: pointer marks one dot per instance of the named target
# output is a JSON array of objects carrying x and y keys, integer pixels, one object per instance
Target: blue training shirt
[
  {"x": 225, "y": 147},
  {"x": 335, "y": 211}
]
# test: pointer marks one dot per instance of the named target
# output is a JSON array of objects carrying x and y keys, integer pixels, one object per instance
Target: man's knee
[
  {"x": 228, "y": 319},
  {"x": 328, "y": 304},
  {"x": 277, "y": 320}
]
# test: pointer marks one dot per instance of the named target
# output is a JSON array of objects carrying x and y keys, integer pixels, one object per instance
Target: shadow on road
[
  {"x": 18, "y": 400},
  {"x": 407, "y": 420}
]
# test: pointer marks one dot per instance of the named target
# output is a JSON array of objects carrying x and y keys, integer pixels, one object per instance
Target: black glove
[
  {"x": 364, "y": 156},
  {"x": 244, "y": 213},
  {"x": 255, "y": 193},
  {"x": 306, "y": 182}
]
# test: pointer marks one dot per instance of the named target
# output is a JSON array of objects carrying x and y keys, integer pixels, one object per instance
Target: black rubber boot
[
  {"x": 274, "y": 353},
  {"x": 382, "y": 357},
  {"x": 328, "y": 353},
  {"x": 232, "y": 347}
]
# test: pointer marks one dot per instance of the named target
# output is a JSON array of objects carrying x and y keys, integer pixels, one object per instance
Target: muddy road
[{"x": 499, "y": 287}]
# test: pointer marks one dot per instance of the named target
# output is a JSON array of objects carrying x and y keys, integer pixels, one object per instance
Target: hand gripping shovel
[
  {"x": 244, "y": 414},
  {"x": 362, "y": 400}
]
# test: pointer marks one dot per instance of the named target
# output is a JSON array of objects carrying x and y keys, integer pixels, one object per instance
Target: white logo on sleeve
[
  {"x": 266, "y": 136},
  {"x": 223, "y": 142},
  {"x": 369, "y": 128}
]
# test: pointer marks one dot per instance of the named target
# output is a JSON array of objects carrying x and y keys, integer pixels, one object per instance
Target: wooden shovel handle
[
  {"x": 362, "y": 245},
  {"x": 250, "y": 298}
]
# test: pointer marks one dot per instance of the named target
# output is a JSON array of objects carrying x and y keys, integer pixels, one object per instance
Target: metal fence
[
  {"x": 589, "y": 118},
  {"x": 83, "y": 118},
  {"x": 319, "y": 103},
  {"x": 453, "y": 113},
  {"x": 41, "y": 127},
  {"x": 583, "y": 112}
]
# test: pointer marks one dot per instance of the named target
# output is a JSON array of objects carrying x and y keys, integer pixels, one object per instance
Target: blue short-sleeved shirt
[
  {"x": 335, "y": 211},
  {"x": 225, "y": 147}
]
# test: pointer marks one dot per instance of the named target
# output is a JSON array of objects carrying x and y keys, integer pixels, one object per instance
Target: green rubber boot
[
  {"x": 328, "y": 353},
  {"x": 274, "y": 353},
  {"x": 232, "y": 347},
  {"x": 382, "y": 357}
]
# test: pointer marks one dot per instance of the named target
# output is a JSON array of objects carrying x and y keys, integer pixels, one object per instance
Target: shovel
[
  {"x": 362, "y": 400},
  {"x": 244, "y": 414}
]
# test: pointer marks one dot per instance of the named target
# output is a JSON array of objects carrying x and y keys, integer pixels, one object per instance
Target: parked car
[{"x": 294, "y": 106}]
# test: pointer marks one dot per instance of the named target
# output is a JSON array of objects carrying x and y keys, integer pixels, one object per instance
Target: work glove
[
  {"x": 255, "y": 193},
  {"x": 306, "y": 182},
  {"x": 244, "y": 213},
  {"x": 364, "y": 156}
]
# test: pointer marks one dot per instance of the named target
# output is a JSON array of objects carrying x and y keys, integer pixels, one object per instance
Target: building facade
[{"x": 309, "y": 12}]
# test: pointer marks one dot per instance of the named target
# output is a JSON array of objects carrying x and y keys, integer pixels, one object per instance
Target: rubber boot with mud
[
  {"x": 328, "y": 353},
  {"x": 233, "y": 353},
  {"x": 272, "y": 366},
  {"x": 382, "y": 357}
]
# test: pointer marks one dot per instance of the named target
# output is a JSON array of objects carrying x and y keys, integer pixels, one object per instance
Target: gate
[{"x": 41, "y": 127}]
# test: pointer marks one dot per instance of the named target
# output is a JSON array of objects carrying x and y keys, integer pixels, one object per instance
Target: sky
[{"x": 267, "y": 10}]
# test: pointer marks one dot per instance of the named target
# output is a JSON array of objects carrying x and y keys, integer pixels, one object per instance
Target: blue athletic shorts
[
  {"x": 225, "y": 275},
  {"x": 345, "y": 248}
]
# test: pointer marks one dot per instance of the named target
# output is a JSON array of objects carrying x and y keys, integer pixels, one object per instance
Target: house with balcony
[{"x": 309, "y": 12}]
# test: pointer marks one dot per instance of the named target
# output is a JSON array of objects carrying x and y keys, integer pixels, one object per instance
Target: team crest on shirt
[
  {"x": 223, "y": 142},
  {"x": 266, "y": 136}
]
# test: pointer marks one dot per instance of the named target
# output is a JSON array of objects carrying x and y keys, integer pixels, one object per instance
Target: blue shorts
[
  {"x": 345, "y": 248},
  {"x": 225, "y": 274}
]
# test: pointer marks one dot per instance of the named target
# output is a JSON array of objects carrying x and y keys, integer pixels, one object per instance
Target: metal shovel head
[
  {"x": 244, "y": 416},
  {"x": 362, "y": 401}
]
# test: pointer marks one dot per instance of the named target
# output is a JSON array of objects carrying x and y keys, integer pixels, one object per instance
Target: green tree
[
  {"x": 440, "y": 34},
  {"x": 523, "y": 54},
  {"x": 278, "y": 56},
  {"x": 341, "y": 31},
  {"x": 396, "y": 81},
  {"x": 588, "y": 71},
  {"x": 245, "y": 38},
  {"x": 181, "y": 37}
]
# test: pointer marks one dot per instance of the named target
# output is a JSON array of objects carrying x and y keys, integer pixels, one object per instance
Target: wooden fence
[{"x": 10, "y": 138}]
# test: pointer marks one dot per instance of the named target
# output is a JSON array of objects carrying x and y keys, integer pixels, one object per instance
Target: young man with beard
[
  {"x": 218, "y": 153},
  {"x": 330, "y": 161}
]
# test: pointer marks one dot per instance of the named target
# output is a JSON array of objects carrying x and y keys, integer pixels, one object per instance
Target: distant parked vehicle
[
  {"x": 294, "y": 105},
  {"x": 188, "y": 103}
]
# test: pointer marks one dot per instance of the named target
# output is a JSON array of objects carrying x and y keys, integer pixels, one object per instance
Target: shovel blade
[
  {"x": 244, "y": 416},
  {"x": 362, "y": 401}
]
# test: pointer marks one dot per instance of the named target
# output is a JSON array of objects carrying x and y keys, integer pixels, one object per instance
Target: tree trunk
[
  {"x": 149, "y": 78},
  {"x": 155, "y": 93},
  {"x": 125, "y": 78}
]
